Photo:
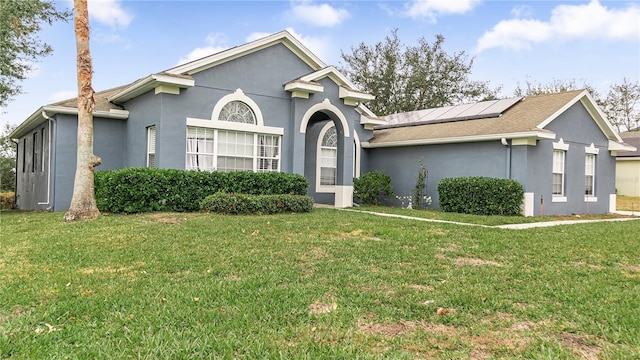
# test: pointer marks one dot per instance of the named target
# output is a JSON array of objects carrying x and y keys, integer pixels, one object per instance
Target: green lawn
[{"x": 328, "y": 284}]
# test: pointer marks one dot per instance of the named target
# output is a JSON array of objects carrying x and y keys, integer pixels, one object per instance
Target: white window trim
[
  {"x": 238, "y": 95},
  {"x": 233, "y": 126},
  {"x": 255, "y": 156},
  {"x": 561, "y": 145},
  {"x": 149, "y": 130},
  {"x": 591, "y": 151},
  {"x": 357, "y": 153},
  {"x": 323, "y": 188}
]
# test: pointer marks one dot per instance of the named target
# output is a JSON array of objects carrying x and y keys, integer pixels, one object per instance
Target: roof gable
[{"x": 282, "y": 37}]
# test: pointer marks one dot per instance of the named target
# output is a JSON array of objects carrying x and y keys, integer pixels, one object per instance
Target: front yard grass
[{"x": 326, "y": 284}]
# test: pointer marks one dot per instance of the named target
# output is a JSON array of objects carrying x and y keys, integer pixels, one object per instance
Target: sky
[{"x": 510, "y": 42}]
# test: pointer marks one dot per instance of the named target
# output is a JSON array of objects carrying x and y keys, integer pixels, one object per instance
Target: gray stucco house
[{"x": 272, "y": 105}]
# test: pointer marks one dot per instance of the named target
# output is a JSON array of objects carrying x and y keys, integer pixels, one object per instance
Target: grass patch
[
  {"x": 326, "y": 284},
  {"x": 628, "y": 203}
]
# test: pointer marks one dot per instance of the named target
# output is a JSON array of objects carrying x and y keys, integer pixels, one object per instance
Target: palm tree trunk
[{"x": 83, "y": 201}]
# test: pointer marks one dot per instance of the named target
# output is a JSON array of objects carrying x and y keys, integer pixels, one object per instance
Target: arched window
[
  {"x": 328, "y": 156},
  {"x": 237, "y": 111}
]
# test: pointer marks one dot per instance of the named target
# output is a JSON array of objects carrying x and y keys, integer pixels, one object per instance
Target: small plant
[
  {"x": 420, "y": 190},
  {"x": 425, "y": 201},
  {"x": 371, "y": 186}
]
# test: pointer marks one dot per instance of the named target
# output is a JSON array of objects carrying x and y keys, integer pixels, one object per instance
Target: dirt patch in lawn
[
  {"x": 581, "y": 345},
  {"x": 474, "y": 262}
]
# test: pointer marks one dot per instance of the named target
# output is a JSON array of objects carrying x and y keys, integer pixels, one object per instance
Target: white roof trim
[
  {"x": 462, "y": 139},
  {"x": 45, "y": 112},
  {"x": 298, "y": 85},
  {"x": 620, "y": 146},
  {"x": 283, "y": 37},
  {"x": 357, "y": 95},
  {"x": 150, "y": 82}
]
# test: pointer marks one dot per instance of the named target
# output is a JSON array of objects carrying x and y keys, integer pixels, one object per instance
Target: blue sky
[{"x": 511, "y": 42}]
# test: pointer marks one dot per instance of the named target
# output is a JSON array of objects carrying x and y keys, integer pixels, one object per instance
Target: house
[
  {"x": 272, "y": 105},
  {"x": 628, "y": 166},
  {"x": 560, "y": 147}
]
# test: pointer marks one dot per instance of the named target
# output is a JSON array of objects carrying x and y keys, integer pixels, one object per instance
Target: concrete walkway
[{"x": 508, "y": 226}]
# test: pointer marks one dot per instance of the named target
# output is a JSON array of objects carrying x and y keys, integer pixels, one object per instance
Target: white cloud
[
  {"x": 320, "y": 46},
  {"x": 431, "y": 9},
  {"x": 323, "y": 15},
  {"x": 567, "y": 22},
  {"x": 215, "y": 43},
  {"x": 109, "y": 12},
  {"x": 63, "y": 95}
]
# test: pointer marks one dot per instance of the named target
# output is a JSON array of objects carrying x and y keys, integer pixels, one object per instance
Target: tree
[
  {"x": 407, "y": 78},
  {"x": 20, "y": 22},
  {"x": 83, "y": 200},
  {"x": 622, "y": 105},
  {"x": 554, "y": 87},
  {"x": 7, "y": 160}
]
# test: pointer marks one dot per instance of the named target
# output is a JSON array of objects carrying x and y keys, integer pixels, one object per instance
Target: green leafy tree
[
  {"x": 406, "y": 78},
  {"x": 7, "y": 160},
  {"x": 20, "y": 23}
]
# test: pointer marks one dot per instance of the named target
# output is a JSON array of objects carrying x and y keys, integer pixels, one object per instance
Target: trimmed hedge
[
  {"x": 481, "y": 196},
  {"x": 371, "y": 186},
  {"x": 236, "y": 204},
  {"x": 136, "y": 190}
]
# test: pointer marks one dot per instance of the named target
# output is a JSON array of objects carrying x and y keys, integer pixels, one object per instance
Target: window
[
  {"x": 589, "y": 174},
  {"x": 200, "y": 149},
  {"x": 227, "y": 150},
  {"x": 42, "y": 150},
  {"x": 558, "y": 172},
  {"x": 237, "y": 111},
  {"x": 268, "y": 152},
  {"x": 329, "y": 156},
  {"x": 34, "y": 152},
  {"x": 151, "y": 146},
  {"x": 24, "y": 154}
]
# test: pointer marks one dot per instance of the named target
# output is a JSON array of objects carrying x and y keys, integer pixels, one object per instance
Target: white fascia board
[
  {"x": 620, "y": 146},
  {"x": 354, "y": 94},
  {"x": 304, "y": 86},
  {"x": 628, "y": 158},
  {"x": 26, "y": 125},
  {"x": 566, "y": 106},
  {"x": 150, "y": 82},
  {"x": 283, "y": 37},
  {"x": 332, "y": 73},
  {"x": 45, "y": 112},
  {"x": 461, "y": 139}
]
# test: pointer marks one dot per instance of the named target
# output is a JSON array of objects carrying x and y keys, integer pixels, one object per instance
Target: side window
[
  {"x": 151, "y": 146},
  {"x": 328, "y": 156},
  {"x": 558, "y": 172}
]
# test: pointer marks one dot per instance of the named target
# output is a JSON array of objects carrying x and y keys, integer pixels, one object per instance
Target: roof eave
[
  {"x": 45, "y": 112},
  {"x": 620, "y": 146},
  {"x": 149, "y": 83},
  {"x": 542, "y": 135}
]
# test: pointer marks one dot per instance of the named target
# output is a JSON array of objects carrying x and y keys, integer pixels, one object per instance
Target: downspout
[
  {"x": 15, "y": 178},
  {"x": 48, "y": 202},
  {"x": 508, "y": 167}
]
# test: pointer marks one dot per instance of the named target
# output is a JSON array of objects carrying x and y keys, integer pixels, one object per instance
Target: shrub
[
  {"x": 371, "y": 186},
  {"x": 481, "y": 196},
  {"x": 225, "y": 203},
  {"x": 135, "y": 190},
  {"x": 7, "y": 200}
]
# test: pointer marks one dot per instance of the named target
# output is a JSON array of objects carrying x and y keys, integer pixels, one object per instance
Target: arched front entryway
[{"x": 329, "y": 156}]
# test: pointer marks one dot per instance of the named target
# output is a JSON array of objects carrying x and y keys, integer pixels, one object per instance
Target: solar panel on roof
[{"x": 480, "y": 110}]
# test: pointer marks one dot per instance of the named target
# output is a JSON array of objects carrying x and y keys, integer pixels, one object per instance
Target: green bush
[
  {"x": 370, "y": 187},
  {"x": 225, "y": 203},
  {"x": 481, "y": 196},
  {"x": 7, "y": 200},
  {"x": 136, "y": 190}
]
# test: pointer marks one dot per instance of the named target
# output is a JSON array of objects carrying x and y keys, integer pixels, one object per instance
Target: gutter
[{"x": 462, "y": 139}]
